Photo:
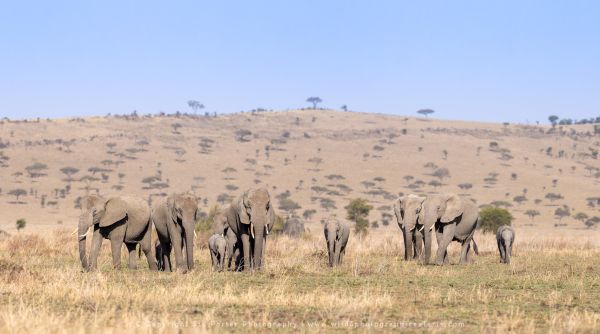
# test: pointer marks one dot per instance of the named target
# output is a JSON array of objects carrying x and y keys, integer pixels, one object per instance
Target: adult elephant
[
  {"x": 175, "y": 220},
  {"x": 407, "y": 209},
  {"x": 121, "y": 219},
  {"x": 336, "y": 236},
  {"x": 454, "y": 219},
  {"x": 251, "y": 217}
]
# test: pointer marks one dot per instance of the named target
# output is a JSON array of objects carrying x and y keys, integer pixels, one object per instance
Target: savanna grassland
[
  {"x": 313, "y": 162},
  {"x": 553, "y": 285}
]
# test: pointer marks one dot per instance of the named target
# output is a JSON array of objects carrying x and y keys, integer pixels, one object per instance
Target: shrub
[
  {"x": 358, "y": 210},
  {"x": 21, "y": 223},
  {"x": 491, "y": 218}
]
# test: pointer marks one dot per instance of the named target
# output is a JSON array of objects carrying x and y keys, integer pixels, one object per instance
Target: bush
[
  {"x": 491, "y": 218},
  {"x": 358, "y": 210},
  {"x": 21, "y": 223}
]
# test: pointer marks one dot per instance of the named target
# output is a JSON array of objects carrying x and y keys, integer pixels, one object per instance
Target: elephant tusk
[
  {"x": 422, "y": 227},
  {"x": 74, "y": 232},
  {"x": 194, "y": 233},
  {"x": 252, "y": 230},
  {"x": 431, "y": 228},
  {"x": 83, "y": 236},
  {"x": 267, "y": 229}
]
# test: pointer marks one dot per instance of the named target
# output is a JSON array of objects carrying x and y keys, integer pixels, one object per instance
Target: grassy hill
[{"x": 317, "y": 159}]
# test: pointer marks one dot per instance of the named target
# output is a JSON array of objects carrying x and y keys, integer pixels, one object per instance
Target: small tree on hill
[
  {"x": 195, "y": 105},
  {"x": 18, "y": 193},
  {"x": 581, "y": 216},
  {"x": 562, "y": 212},
  {"x": 532, "y": 214},
  {"x": 425, "y": 112},
  {"x": 358, "y": 211},
  {"x": 553, "y": 119},
  {"x": 491, "y": 218},
  {"x": 69, "y": 172},
  {"x": 314, "y": 100}
]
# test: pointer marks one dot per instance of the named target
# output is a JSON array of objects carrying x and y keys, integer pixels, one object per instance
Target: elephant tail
[{"x": 475, "y": 249}]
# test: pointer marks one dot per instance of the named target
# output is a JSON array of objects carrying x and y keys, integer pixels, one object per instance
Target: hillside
[{"x": 318, "y": 159}]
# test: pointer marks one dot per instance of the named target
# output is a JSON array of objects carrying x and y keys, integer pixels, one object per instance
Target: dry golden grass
[{"x": 553, "y": 285}]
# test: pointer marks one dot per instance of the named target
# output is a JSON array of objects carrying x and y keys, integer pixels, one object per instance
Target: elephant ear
[
  {"x": 115, "y": 210},
  {"x": 454, "y": 208},
  {"x": 241, "y": 209},
  {"x": 421, "y": 215},
  {"x": 270, "y": 217},
  {"x": 398, "y": 210},
  {"x": 171, "y": 209}
]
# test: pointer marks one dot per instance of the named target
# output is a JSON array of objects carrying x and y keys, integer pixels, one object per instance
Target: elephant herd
[
  {"x": 129, "y": 220},
  {"x": 241, "y": 230},
  {"x": 453, "y": 218}
]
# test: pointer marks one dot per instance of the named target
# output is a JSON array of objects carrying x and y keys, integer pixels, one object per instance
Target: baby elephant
[
  {"x": 505, "y": 237},
  {"x": 217, "y": 245},
  {"x": 336, "y": 235}
]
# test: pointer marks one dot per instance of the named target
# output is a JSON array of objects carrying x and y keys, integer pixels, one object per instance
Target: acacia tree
[
  {"x": 553, "y": 119},
  {"x": 314, "y": 100},
  {"x": 18, "y": 193},
  {"x": 69, "y": 172},
  {"x": 195, "y": 105},
  {"x": 425, "y": 112},
  {"x": 532, "y": 214}
]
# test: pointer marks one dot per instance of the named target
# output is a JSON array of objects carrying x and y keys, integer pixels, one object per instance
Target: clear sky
[{"x": 487, "y": 60}]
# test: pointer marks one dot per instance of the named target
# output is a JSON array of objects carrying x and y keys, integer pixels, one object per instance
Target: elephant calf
[
  {"x": 505, "y": 237},
  {"x": 216, "y": 246},
  {"x": 336, "y": 236}
]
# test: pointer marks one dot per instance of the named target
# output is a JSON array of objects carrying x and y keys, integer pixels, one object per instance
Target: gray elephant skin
[
  {"x": 454, "y": 219},
  {"x": 505, "y": 238},
  {"x": 336, "y": 237},
  {"x": 233, "y": 252},
  {"x": 406, "y": 209},
  {"x": 174, "y": 218},
  {"x": 216, "y": 246},
  {"x": 122, "y": 219},
  {"x": 250, "y": 218}
]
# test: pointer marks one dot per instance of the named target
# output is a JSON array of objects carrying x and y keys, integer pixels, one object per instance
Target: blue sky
[{"x": 516, "y": 61}]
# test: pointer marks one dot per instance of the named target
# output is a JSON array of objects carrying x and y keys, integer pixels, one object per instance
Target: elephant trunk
[
  {"x": 259, "y": 238},
  {"x": 410, "y": 223},
  {"x": 330, "y": 247},
  {"x": 408, "y": 247},
  {"x": 189, "y": 225},
  {"x": 81, "y": 237},
  {"x": 338, "y": 249},
  {"x": 427, "y": 241}
]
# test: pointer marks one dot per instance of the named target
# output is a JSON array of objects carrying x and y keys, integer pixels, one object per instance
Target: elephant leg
[
  {"x": 246, "y": 252},
  {"x": 229, "y": 254},
  {"x": 146, "y": 247},
  {"x": 464, "y": 250},
  {"x": 418, "y": 244},
  {"x": 177, "y": 245},
  {"x": 427, "y": 241},
  {"x": 508, "y": 252},
  {"x": 131, "y": 247},
  {"x": 95, "y": 249},
  {"x": 501, "y": 250},
  {"x": 447, "y": 236},
  {"x": 213, "y": 259},
  {"x": 166, "y": 256},
  {"x": 115, "y": 247},
  {"x": 342, "y": 253},
  {"x": 238, "y": 259}
]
